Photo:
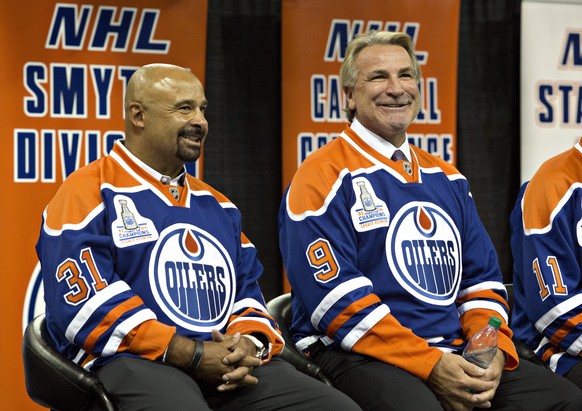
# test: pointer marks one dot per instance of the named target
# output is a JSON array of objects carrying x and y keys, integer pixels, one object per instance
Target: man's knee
[{"x": 137, "y": 383}]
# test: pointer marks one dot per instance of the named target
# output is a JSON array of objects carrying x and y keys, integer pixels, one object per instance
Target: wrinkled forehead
[{"x": 384, "y": 54}]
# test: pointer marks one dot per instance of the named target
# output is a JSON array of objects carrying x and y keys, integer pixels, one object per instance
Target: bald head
[
  {"x": 151, "y": 78},
  {"x": 165, "y": 125}
]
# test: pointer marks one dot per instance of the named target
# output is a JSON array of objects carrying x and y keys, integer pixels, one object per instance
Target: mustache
[{"x": 193, "y": 132}]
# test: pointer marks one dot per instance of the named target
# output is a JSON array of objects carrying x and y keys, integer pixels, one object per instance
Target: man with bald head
[{"x": 149, "y": 280}]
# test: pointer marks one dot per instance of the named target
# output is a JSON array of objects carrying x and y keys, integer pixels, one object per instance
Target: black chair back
[
  {"x": 280, "y": 308},
  {"x": 56, "y": 382}
]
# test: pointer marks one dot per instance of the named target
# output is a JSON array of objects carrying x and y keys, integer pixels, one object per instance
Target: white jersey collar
[
  {"x": 167, "y": 180},
  {"x": 382, "y": 146}
]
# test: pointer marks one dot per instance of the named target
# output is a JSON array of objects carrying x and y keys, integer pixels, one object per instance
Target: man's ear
[
  {"x": 136, "y": 114},
  {"x": 351, "y": 104}
]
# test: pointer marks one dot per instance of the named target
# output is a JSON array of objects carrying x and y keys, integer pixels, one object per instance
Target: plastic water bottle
[{"x": 481, "y": 347}]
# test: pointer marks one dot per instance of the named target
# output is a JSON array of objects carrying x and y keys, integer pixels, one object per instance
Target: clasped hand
[
  {"x": 461, "y": 385},
  {"x": 229, "y": 360}
]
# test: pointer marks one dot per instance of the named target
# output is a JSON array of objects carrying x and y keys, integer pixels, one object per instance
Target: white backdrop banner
[{"x": 551, "y": 80}]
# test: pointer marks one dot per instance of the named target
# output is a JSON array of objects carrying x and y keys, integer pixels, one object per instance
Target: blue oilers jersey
[
  {"x": 387, "y": 258},
  {"x": 547, "y": 250},
  {"x": 127, "y": 261}
]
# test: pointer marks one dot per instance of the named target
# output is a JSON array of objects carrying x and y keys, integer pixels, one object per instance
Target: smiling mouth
[
  {"x": 393, "y": 105},
  {"x": 195, "y": 136},
  {"x": 191, "y": 137},
  {"x": 193, "y": 141}
]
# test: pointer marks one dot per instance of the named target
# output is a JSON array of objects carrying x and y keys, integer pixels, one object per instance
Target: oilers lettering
[
  {"x": 423, "y": 248},
  {"x": 197, "y": 289},
  {"x": 192, "y": 278},
  {"x": 431, "y": 263}
]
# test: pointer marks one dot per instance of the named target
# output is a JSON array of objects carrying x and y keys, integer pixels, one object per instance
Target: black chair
[
  {"x": 56, "y": 382},
  {"x": 280, "y": 308}
]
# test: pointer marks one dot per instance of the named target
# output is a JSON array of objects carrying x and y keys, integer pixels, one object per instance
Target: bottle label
[{"x": 481, "y": 357}]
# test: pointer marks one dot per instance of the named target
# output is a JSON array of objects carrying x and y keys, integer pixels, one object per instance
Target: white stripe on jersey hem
[
  {"x": 304, "y": 343},
  {"x": 486, "y": 285},
  {"x": 543, "y": 342},
  {"x": 434, "y": 340},
  {"x": 93, "y": 304},
  {"x": 334, "y": 295},
  {"x": 489, "y": 305},
  {"x": 90, "y": 364},
  {"x": 554, "y": 359},
  {"x": 557, "y": 311},
  {"x": 575, "y": 348},
  {"x": 248, "y": 303},
  {"x": 124, "y": 328},
  {"x": 73, "y": 227},
  {"x": 79, "y": 355},
  {"x": 364, "y": 326}
]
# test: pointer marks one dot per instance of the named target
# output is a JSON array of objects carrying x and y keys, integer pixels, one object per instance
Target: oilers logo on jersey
[
  {"x": 192, "y": 278},
  {"x": 423, "y": 248}
]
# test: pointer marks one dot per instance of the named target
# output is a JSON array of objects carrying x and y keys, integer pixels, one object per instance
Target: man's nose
[
  {"x": 393, "y": 86},
  {"x": 197, "y": 117}
]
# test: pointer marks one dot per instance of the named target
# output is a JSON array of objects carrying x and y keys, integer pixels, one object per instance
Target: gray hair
[{"x": 349, "y": 68}]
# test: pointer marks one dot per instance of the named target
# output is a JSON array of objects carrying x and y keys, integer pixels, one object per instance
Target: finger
[
  {"x": 482, "y": 399},
  {"x": 484, "y": 404},
  {"x": 486, "y": 389},
  {"x": 217, "y": 336},
  {"x": 227, "y": 386},
  {"x": 234, "y": 358},
  {"x": 231, "y": 341},
  {"x": 232, "y": 384},
  {"x": 473, "y": 370},
  {"x": 249, "y": 361},
  {"x": 249, "y": 380},
  {"x": 240, "y": 359},
  {"x": 236, "y": 375}
]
